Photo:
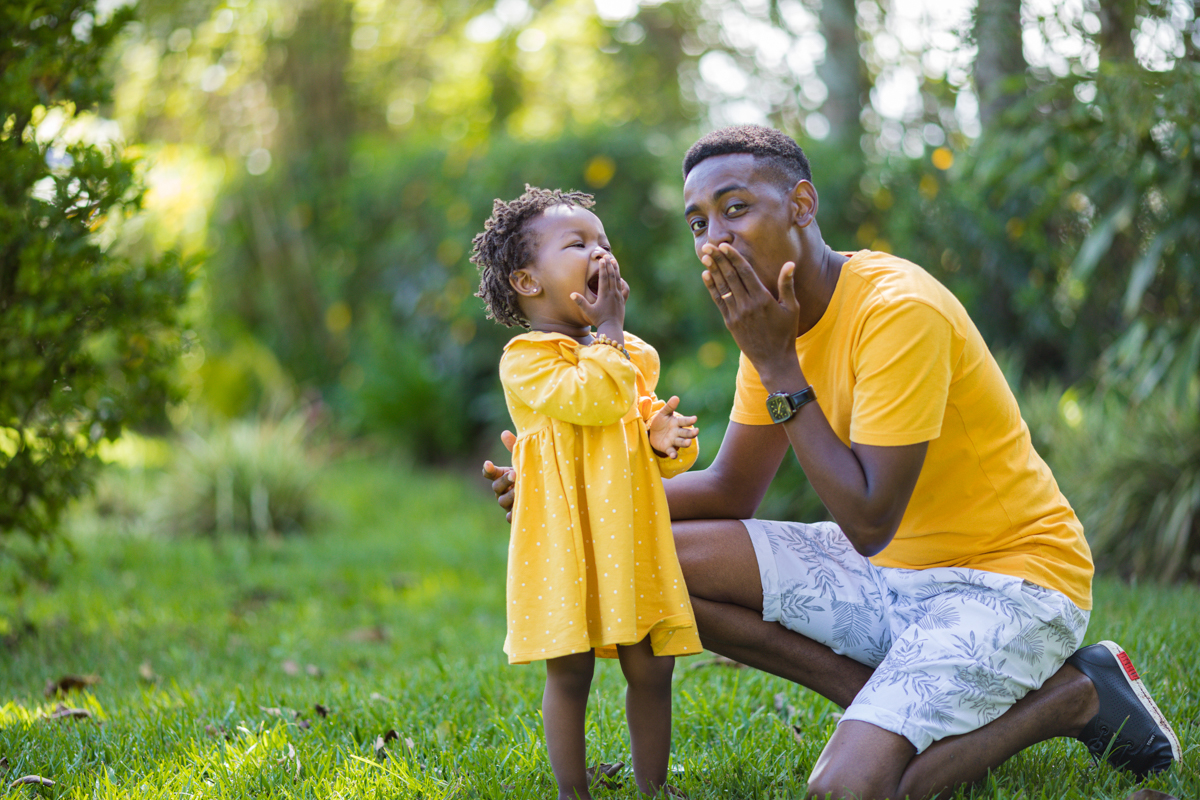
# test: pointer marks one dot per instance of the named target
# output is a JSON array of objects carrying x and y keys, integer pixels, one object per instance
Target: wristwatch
[{"x": 783, "y": 406}]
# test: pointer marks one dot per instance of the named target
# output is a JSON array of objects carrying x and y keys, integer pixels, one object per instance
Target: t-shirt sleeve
[
  {"x": 902, "y": 369},
  {"x": 591, "y": 385},
  {"x": 750, "y": 396}
]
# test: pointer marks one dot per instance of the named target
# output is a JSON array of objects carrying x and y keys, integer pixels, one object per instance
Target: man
[{"x": 941, "y": 607}]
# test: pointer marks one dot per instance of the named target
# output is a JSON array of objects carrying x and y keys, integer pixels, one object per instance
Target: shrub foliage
[
  {"x": 253, "y": 478},
  {"x": 87, "y": 337}
]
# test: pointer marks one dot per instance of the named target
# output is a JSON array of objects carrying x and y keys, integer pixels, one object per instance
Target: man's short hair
[{"x": 778, "y": 153}]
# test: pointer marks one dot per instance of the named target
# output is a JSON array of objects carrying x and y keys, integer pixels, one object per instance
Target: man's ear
[
  {"x": 804, "y": 203},
  {"x": 524, "y": 283}
]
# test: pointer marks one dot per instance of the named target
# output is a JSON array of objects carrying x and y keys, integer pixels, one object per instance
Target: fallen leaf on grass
[
  {"x": 782, "y": 706},
  {"x": 31, "y": 780},
  {"x": 213, "y": 730},
  {"x": 1150, "y": 794},
  {"x": 291, "y": 756},
  {"x": 381, "y": 752},
  {"x": 63, "y": 712},
  {"x": 718, "y": 661},
  {"x": 378, "y": 698},
  {"x": 286, "y": 713},
  {"x": 798, "y": 734},
  {"x": 291, "y": 667},
  {"x": 313, "y": 671},
  {"x": 4, "y": 763},
  {"x": 146, "y": 673},
  {"x": 68, "y": 683},
  {"x": 604, "y": 775},
  {"x": 322, "y": 710},
  {"x": 376, "y": 633}
]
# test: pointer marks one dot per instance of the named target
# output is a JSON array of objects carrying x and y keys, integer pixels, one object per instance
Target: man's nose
[{"x": 718, "y": 233}]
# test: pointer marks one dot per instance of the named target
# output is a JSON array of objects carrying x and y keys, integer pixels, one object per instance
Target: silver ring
[{"x": 726, "y": 295}]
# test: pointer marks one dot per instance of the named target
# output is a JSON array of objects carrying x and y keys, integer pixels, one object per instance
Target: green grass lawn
[{"x": 234, "y": 669}]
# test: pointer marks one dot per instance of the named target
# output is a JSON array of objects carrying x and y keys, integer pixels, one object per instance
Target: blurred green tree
[{"x": 87, "y": 335}]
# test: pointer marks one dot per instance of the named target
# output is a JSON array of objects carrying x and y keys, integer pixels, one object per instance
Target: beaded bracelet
[{"x": 600, "y": 338}]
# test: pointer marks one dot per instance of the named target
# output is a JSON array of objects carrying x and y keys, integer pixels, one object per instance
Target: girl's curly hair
[{"x": 506, "y": 245}]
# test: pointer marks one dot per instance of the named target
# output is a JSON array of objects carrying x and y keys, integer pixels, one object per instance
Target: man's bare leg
[
  {"x": 722, "y": 576},
  {"x": 1060, "y": 708},
  {"x": 861, "y": 759}
]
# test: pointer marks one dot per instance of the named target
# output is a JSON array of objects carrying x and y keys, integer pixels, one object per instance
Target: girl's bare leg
[
  {"x": 564, "y": 703},
  {"x": 648, "y": 709}
]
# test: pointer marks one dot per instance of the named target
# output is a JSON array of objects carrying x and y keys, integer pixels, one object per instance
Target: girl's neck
[{"x": 581, "y": 334}]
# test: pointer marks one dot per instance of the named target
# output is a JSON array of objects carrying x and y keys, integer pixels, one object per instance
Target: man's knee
[
  {"x": 690, "y": 548},
  {"x": 845, "y": 787},
  {"x": 861, "y": 761},
  {"x": 718, "y": 561}
]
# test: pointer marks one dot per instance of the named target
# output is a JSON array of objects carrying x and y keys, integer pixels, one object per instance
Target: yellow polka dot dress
[{"x": 591, "y": 560}]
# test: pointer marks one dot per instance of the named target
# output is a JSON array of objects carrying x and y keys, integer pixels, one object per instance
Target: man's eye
[
  {"x": 696, "y": 225},
  {"x": 735, "y": 207}
]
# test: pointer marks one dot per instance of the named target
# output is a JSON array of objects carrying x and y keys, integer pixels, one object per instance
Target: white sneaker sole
[{"x": 1143, "y": 696}]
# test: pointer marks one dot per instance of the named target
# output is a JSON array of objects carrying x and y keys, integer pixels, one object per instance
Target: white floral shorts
[{"x": 952, "y": 648}]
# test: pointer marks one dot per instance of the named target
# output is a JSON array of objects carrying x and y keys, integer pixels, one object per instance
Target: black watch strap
[{"x": 783, "y": 406}]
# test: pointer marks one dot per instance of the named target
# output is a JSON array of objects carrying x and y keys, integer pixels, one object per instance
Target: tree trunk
[
  {"x": 1117, "y": 18},
  {"x": 1000, "y": 57},
  {"x": 842, "y": 71}
]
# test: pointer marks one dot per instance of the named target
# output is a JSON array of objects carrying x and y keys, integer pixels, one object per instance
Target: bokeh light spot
[
  {"x": 711, "y": 354},
  {"x": 258, "y": 161},
  {"x": 599, "y": 171},
  {"x": 449, "y": 251},
  {"x": 1069, "y": 408},
  {"x": 338, "y": 317},
  {"x": 928, "y": 187},
  {"x": 942, "y": 158}
]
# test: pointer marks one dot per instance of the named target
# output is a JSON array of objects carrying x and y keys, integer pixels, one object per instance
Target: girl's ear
[{"x": 524, "y": 283}]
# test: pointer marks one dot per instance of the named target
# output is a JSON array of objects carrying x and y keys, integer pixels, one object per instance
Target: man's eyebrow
[{"x": 724, "y": 190}]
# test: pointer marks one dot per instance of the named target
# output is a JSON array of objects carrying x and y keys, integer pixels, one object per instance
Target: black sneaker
[{"x": 1129, "y": 730}]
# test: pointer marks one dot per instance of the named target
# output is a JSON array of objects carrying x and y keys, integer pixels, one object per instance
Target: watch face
[{"x": 778, "y": 407}]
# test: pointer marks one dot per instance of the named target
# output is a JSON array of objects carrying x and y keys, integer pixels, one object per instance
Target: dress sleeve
[{"x": 590, "y": 385}]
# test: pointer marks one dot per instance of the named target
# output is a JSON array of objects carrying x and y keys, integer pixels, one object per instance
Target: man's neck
[{"x": 815, "y": 284}]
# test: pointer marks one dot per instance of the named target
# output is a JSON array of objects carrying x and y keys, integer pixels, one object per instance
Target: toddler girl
[{"x": 591, "y": 562}]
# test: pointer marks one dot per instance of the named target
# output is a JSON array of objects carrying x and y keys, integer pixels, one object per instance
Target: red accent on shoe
[{"x": 1128, "y": 665}]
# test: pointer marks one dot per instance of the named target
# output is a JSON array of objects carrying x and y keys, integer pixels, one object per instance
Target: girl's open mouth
[{"x": 593, "y": 284}]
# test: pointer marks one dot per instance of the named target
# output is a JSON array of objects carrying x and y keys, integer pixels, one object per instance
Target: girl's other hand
[{"x": 669, "y": 432}]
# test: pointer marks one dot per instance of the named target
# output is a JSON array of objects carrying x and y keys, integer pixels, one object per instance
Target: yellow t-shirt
[
  {"x": 896, "y": 360},
  {"x": 591, "y": 558}
]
